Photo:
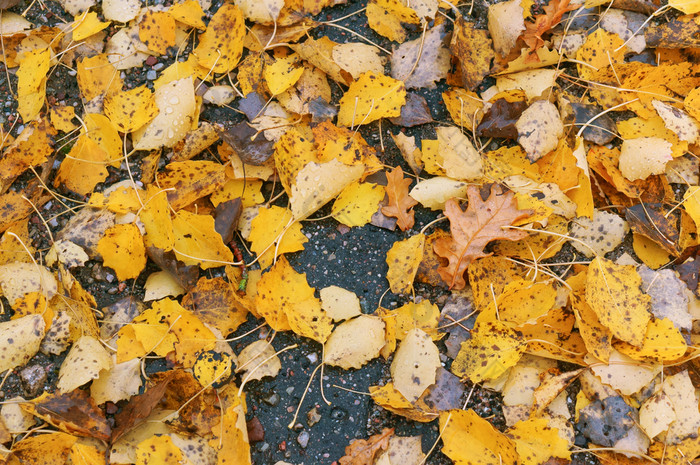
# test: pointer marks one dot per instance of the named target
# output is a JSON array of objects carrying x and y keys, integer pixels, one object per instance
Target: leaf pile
[{"x": 586, "y": 133}]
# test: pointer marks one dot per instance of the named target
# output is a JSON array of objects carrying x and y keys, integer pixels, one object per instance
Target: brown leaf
[
  {"x": 474, "y": 50},
  {"x": 140, "y": 407},
  {"x": 363, "y": 451},
  {"x": 400, "y": 204},
  {"x": 544, "y": 22},
  {"x": 651, "y": 220},
  {"x": 473, "y": 229},
  {"x": 74, "y": 412}
]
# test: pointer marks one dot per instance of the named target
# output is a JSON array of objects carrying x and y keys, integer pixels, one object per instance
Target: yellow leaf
[
  {"x": 536, "y": 442},
  {"x": 287, "y": 302},
  {"x": 662, "y": 342},
  {"x": 230, "y": 440},
  {"x": 596, "y": 337},
  {"x": 259, "y": 360},
  {"x": 691, "y": 202},
  {"x": 97, "y": 76},
  {"x": 176, "y": 112},
  {"x": 176, "y": 71},
  {"x": 61, "y": 118},
  {"x": 692, "y": 103},
  {"x": 470, "y": 440},
  {"x": 45, "y": 449},
  {"x": 101, "y": 130},
  {"x": 403, "y": 259},
  {"x": 423, "y": 315},
  {"x": 87, "y": 24},
  {"x": 689, "y": 7},
  {"x": 84, "y": 454},
  {"x": 613, "y": 292},
  {"x": 247, "y": 190},
  {"x": 121, "y": 198},
  {"x": 355, "y": 342},
  {"x": 156, "y": 220},
  {"x": 265, "y": 232},
  {"x": 32, "y": 147},
  {"x": 84, "y": 167},
  {"x": 191, "y": 180},
  {"x": 158, "y": 450},
  {"x": 316, "y": 184},
  {"x": 346, "y": 146},
  {"x": 463, "y": 106},
  {"x": 197, "y": 242},
  {"x": 357, "y": 203},
  {"x": 415, "y": 364},
  {"x": 122, "y": 250},
  {"x": 371, "y": 97},
  {"x": 492, "y": 349},
  {"x": 188, "y": 12},
  {"x": 212, "y": 368},
  {"x": 385, "y": 18},
  {"x": 521, "y": 302},
  {"x": 130, "y": 109},
  {"x": 283, "y": 73},
  {"x": 649, "y": 252},
  {"x": 294, "y": 150},
  {"x": 157, "y": 31},
  {"x": 601, "y": 49},
  {"x": 221, "y": 45},
  {"x": 31, "y": 83},
  {"x": 83, "y": 363}
]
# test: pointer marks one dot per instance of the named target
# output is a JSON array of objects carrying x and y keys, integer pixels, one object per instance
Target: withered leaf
[
  {"x": 400, "y": 203},
  {"x": 473, "y": 229},
  {"x": 185, "y": 275},
  {"x": 500, "y": 119},
  {"x": 141, "y": 406},
  {"x": 251, "y": 147},
  {"x": 651, "y": 220},
  {"x": 414, "y": 112},
  {"x": 363, "y": 451},
  {"x": 474, "y": 50},
  {"x": 74, "y": 412}
]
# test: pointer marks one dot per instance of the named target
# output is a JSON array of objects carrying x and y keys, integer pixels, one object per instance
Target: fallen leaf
[
  {"x": 472, "y": 230},
  {"x": 469, "y": 439},
  {"x": 434, "y": 193},
  {"x": 355, "y": 342},
  {"x": 420, "y": 63},
  {"x": 221, "y": 45},
  {"x": 357, "y": 203},
  {"x": 539, "y": 129},
  {"x": 273, "y": 233},
  {"x": 400, "y": 203},
  {"x": 369, "y": 98},
  {"x": 129, "y": 110},
  {"x": 363, "y": 451},
  {"x": 415, "y": 364},
  {"x": 644, "y": 156},
  {"x": 20, "y": 340},
  {"x": 403, "y": 260},
  {"x": 505, "y": 20},
  {"x": 537, "y": 443},
  {"x": 74, "y": 412},
  {"x": 83, "y": 363},
  {"x": 197, "y": 242},
  {"x": 316, "y": 184},
  {"x": 339, "y": 304},
  {"x": 598, "y": 235},
  {"x": 474, "y": 49},
  {"x": 259, "y": 360},
  {"x": 122, "y": 249},
  {"x": 385, "y": 17}
]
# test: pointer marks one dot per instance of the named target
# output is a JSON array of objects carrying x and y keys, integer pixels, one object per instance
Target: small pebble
[
  {"x": 272, "y": 400},
  {"x": 151, "y": 75},
  {"x": 303, "y": 439}
]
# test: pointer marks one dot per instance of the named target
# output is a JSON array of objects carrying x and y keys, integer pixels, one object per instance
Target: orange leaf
[
  {"x": 473, "y": 229},
  {"x": 544, "y": 22},
  {"x": 400, "y": 204},
  {"x": 363, "y": 451}
]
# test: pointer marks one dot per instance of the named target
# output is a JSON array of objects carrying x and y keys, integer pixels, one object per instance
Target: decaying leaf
[
  {"x": 471, "y": 230},
  {"x": 258, "y": 360},
  {"x": 400, "y": 203},
  {"x": 361, "y": 451}
]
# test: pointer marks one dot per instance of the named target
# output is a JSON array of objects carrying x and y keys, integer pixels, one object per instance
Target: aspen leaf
[
  {"x": 97, "y": 76},
  {"x": 122, "y": 11},
  {"x": 613, "y": 292},
  {"x": 415, "y": 363},
  {"x": 197, "y": 242},
  {"x": 460, "y": 159},
  {"x": 62, "y": 117},
  {"x": 19, "y": 278},
  {"x": 623, "y": 373},
  {"x": 157, "y": 31},
  {"x": 216, "y": 303},
  {"x": 344, "y": 145},
  {"x": 474, "y": 49},
  {"x": 212, "y": 368},
  {"x": 357, "y": 58},
  {"x": 316, "y": 184},
  {"x": 357, "y": 203},
  {"x": 385, "y": 17},
  {"x": 274, "y": 233},
  {"x": 221, "y": 45},
  {"x": 158, "y": 449},
  {"x": 423, "y": 315},
  {"x": 319, "y": 52},
  {"x": 371, "y": 97},
  {"x": 156, "y": 220},
  {"x": 122, "y": 249},
  {"x": 84, "y": 167},
  {"x": 44, "y": 448},
  {"x": 678, "y": 121},
  {"x": 644, "y": 156},
  {"x": 339, "y": 304},
  {"x": 191, "y": 180},
  {"x": 232, "y": 447},
  {"x": 188, "y": 12},
  {"x": 536, "y": 442},
  {"x": 119, "y": 382},
  {"x": 403, "y": 260},
  {"x": 355, "y": 342},
  {"x": 463, "y": 106},
  {"x": 681, "y": 393},
  {"x": 596, "y": 337},
  {"x": 402, "y": 450},
  {"x": 470, "y": 440},
  {"x": 656, "y": 414},
  {"x": 283, "y": 73},
  {"x": 131, "y": 109},
  {"x": 662, "y": 342},
  {"x": 86, "y": 359},
  {"x": 423, "y": 61},
  {"x": 505, "y": 20},
  {"x": 161, "y": 284},
  {"x": 492, "y": 349},
  {"x": 20, "y": 340},
  {"x": 601, "y": 49},
  {"x": 87, "y": 24},
  {"x": 600, "y": 234},
  {"x": 365, "y": 450},
  {"x": 522, "y": 302},
  {"x": 31, "y": 84},
  {"x": 258, "y": 360},
  {"x": 176, "y": 112},
  {"x": 539, "y": 129},
  {"x": 433, "y": 193},
  {"x": 263, "y": 12}
]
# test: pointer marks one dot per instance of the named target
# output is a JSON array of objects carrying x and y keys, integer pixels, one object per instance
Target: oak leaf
[
  {"x": 553, "y": 13},
  {"x": 400, "y": 204},
  {"x": 363, "y": 451},
  {"x": 473, "y": 229}
]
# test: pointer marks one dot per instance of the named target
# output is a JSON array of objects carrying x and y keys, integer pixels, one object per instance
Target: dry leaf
[
  {"x": 355, "y": 342},
  {"x": 363, "y": 451},
  {"x": 258, "y": 360},
  {"x": 539, "y": 129},
  {"x": 473, "y": 229},
  {"x": 422, "y": 62},
  {"x": 400, "y": 204},
  {"x": 415, "y": 364},
  {"x": 371, "y": 97}
]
